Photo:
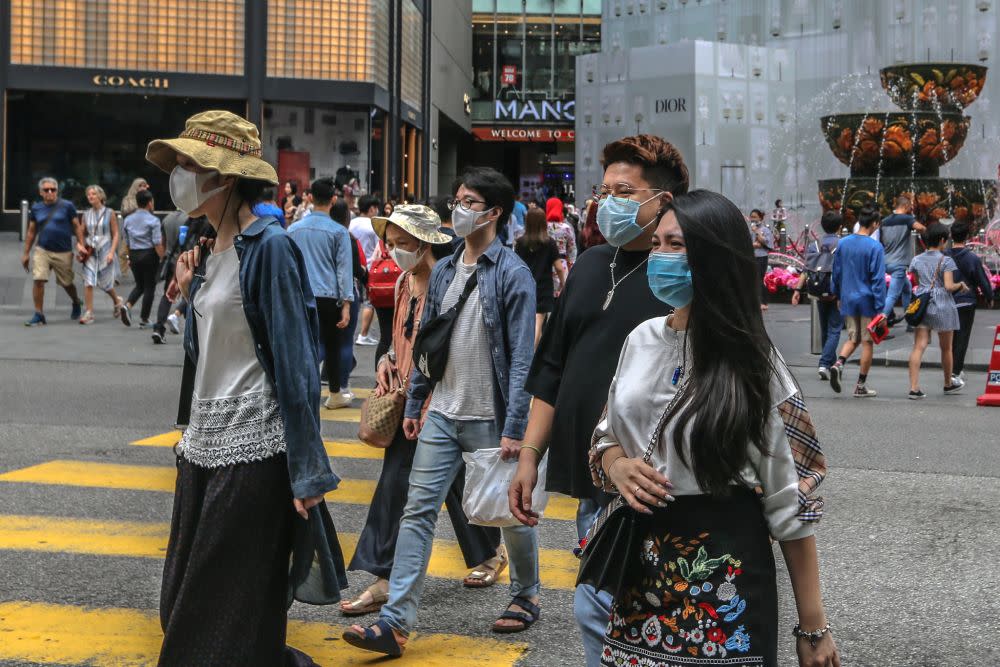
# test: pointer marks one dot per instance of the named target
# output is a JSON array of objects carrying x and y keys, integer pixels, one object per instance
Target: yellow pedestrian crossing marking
[
  {"x": 558, "y": 567},
  {"x": 64, "y": 634},
  {"x": 338, "y": 449},
  {"x": 360, "y": 394},
  {"x": 161, "y": 478},
  {"x": 344, "y": 415}
]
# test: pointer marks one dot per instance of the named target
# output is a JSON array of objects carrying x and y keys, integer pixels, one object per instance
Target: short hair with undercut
[
  {"x": 903, "y": 200},
  {"x": 960, "y": 232},
  {"x": 493, "y": 187},
  {"x": 935, "y": 235},
  {"x": 143, "y": 198},
  {"x": 831, "y": 222},
  {"x": 661, "y": 163},
  {"x": 322, "y": 191},
  {"x": 868, "y": 216}
]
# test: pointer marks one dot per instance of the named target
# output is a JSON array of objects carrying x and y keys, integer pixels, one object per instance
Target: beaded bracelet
[{"x": 813, "y": 636}]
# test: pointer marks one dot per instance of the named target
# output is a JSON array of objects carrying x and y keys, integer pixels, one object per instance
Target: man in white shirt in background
[{"x": 361, "y": 228}]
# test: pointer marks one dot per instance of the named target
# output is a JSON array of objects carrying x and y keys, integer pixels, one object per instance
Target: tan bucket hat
[
  {"x": 218, "y": 140},
  {"x": 416, "y": 219}
]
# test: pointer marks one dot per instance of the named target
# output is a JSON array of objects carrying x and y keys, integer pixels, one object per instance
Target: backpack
[
  {"x": 382, "y": 278},
  {"x": 819, "y": 272}
]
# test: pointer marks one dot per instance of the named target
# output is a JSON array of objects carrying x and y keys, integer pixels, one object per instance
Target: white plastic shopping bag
[{"x": 487, "y": 480}]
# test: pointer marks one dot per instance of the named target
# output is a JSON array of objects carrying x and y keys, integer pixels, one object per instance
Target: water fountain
[{"x": 895, "y": 152}]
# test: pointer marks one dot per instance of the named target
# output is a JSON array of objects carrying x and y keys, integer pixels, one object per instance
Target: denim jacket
[
  {"x": 281, "y": 311},
  {"x": 507, "y": 292}
]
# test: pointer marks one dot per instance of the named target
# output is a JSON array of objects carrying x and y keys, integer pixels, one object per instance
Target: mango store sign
[
  {"x": 535, "y": 110},
  {"x": 540, "y": 134}
]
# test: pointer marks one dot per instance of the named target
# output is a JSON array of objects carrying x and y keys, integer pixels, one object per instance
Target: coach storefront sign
[
  {"x": 123, "y": 81},
  {"x": 538, "y": 134}
]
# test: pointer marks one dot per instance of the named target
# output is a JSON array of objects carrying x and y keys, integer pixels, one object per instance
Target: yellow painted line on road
[
  {"x": 342, "y": 415},
  {"x": 115, "y": 637},
  {"x": 338, "y": 449},
  {"x": 360, "y": 394},
  {"x": 161, "y": 478},
  {"x": 558, "y": 567}
]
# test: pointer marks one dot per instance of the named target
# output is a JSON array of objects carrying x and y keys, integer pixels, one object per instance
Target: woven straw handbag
[{"x": 381, "y": 417}]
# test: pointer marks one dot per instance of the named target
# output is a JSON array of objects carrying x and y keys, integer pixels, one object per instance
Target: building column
[
  {"x": 4, "y": 64},
  {"x": 255, "y": 59},
  {"x": 426, "y": 109},
  {"x": 393, "y": 183}
]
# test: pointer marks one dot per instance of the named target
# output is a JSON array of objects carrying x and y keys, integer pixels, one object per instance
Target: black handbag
[
  {"x": 611, "y": 552},
  {"x": 430, "y": 348},
  {"x": 917, "y": 309}
]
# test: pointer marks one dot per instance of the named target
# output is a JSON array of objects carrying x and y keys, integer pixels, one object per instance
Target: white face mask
[
  {"x": 186, "y": 188},
  {"x": 465, "y": 222},
  {"x": 407, "y": 259}
]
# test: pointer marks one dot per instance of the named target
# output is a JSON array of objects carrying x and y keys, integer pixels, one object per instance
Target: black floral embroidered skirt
[{"x": 703, "y": 592}]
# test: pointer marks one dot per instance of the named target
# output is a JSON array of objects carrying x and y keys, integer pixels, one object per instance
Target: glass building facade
[
  {"x": 337, "y": 88},
  {"x": 523, "y": 106}
]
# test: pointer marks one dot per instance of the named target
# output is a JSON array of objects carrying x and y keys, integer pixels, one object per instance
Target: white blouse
[{"x": 642, "y": 389}]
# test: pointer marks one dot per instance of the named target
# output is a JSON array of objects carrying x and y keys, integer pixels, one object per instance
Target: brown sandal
[
  {"x": 359, "y": 606},
  {"x": 486, "y": 573}
]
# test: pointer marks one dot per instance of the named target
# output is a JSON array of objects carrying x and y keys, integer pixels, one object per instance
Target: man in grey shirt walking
[{"x": 895, "y": 230}]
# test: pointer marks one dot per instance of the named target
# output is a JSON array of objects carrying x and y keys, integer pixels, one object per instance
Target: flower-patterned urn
[{"x": 890, "y": 153}]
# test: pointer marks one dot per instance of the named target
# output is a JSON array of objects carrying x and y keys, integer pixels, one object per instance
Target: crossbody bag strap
[
  {"x": 470, "y": 285},
  {"x": 38, "y": 231},
  {"x": 655, "y": 437},
  {"x": 937, "y": 272}
]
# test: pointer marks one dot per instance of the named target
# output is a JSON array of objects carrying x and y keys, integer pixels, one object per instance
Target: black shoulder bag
[
  {"x": 611, "y": 552},
  {"x": 430, "y": 349},
  {"x": 917, "y": 309}
]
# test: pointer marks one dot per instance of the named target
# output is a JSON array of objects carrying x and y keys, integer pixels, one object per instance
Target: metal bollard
[
  {"x": 24, "y": 218},
  {"x": 815, "y": 335},
  {"x": 914, "y": 236},
  {"x": 783, "y": 240}
]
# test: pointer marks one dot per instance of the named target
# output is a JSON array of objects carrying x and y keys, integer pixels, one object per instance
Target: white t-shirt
[{"x": 363, "y": 231}]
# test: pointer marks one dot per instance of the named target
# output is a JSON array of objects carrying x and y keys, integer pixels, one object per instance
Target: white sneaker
[
  {"x": 823, "y": 372},
  {"x": 339, "y": 400},
  {"x": 366, "y": 340},
  {"x": 173, "y": 323}
]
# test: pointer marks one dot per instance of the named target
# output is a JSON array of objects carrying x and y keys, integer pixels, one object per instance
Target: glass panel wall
[{"x": 163, "y": 36}]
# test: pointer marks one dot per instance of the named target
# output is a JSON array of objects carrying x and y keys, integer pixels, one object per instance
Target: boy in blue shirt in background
[{"x": 859, "y": 282}]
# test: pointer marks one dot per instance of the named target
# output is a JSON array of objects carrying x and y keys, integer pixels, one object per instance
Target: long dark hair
[
  {"x": 536, "y": 231},
  {"x": 727, "y": 400}
]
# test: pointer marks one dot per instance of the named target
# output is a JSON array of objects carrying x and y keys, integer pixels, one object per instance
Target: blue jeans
[
  {"x": 347, "y": 361},
  {"x": 592, "y": 611},
  {"x": 899, "y": 286},
  {"x": 586, "y": 514},
  {"x": 435, "y": 463},
  {"x": 831, "y": 323}
]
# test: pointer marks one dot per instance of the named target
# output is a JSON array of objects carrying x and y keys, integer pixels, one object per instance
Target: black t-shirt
[
  {"x": 578, "y": 354},
  {"x": 539, "y": 260}
]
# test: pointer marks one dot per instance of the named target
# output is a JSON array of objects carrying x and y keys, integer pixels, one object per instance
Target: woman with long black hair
[
  {"x": 706, "y": 436},
  {"x": 250, "y": 531}
]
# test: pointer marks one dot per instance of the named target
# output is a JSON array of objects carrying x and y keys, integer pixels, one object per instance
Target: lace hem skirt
[{"x": 231, "y": 430}]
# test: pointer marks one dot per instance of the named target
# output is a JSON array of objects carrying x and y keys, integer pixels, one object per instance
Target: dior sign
[{"x": 673, "y": 105}]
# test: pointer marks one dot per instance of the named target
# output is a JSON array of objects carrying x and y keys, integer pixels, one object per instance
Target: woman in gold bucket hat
[{"x": 251, "y": 466}]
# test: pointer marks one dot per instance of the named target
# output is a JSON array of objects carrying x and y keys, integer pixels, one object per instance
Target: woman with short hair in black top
[{"x": 540, "y": 253}]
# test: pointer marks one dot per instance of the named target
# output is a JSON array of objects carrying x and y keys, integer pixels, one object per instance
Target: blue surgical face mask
[
  {"x": 670, "y": 278},
  {"x": 616, "y": 218}
]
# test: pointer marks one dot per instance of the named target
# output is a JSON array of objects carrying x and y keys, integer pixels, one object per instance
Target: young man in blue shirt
[
  {"x": 830, "y": 321},
  {"x": 326, "y": 249},
  {"x": 858, "y": 280}
]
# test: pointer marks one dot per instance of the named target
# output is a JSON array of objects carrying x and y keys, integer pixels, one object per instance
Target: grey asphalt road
[{"x": 908, "y": 546}]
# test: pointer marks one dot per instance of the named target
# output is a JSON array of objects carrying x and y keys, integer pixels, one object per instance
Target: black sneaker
[
  {"x": 836, "y": 371},
  {"x": 144, "y": 324},
  {"x": 158, "y": 338},
  {"x": 954, "y": 387},
  {"x": 77, "y": 310},
  {"x": 124, "y": 314},
  {"x": 916, "y": 395}
]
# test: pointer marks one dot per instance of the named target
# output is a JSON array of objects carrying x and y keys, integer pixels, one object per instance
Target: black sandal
[
  {"x": 532, "y": 612},
  {"x": 378, "y": 643}
]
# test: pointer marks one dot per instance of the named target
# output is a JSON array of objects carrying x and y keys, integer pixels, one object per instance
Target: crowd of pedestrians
[{"x": 658, "y": 398}]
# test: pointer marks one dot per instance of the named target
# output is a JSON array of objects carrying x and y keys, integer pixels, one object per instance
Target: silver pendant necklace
[{"x": 614, "y": 285}]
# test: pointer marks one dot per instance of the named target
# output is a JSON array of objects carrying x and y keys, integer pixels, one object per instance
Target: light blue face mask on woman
[
  {"x": 670, "y": 278},
  {"x": 616, "y": 219}
]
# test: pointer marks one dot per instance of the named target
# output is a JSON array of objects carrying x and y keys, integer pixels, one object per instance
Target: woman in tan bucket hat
[{"x": 251, "y": 467}]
